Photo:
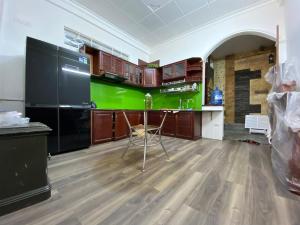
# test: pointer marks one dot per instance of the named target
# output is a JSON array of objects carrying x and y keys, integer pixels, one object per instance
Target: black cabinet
[
  {"x": 23, "y": 166},
  {"x": 75, "y": 127}
]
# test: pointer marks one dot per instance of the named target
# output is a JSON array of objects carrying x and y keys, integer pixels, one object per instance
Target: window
[{"x": 76, "y": 40}]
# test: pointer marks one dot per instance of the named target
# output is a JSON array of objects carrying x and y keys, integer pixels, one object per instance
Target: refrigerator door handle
[
  {"x": 68, "y": 66},
  {"x": 65, "y": 106}
]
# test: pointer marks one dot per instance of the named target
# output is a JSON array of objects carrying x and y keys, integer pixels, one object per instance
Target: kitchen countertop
[
  {"x": 31, "y": 128},
  {"x": 184, "y": 110},
  {"x": 212, "y": 108}
]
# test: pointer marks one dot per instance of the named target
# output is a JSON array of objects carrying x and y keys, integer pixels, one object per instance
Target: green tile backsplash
[
  {"x": 116, "y": 96},
  {"x": 120, "y": 96},
  {"x": 189, "y": 100}
]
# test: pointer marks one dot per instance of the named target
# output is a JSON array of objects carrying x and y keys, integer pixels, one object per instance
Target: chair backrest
[
  {"x": 127, "y": 121},
  {"x": 161, "y": 124},
  {"x": 163, "y": 121}
]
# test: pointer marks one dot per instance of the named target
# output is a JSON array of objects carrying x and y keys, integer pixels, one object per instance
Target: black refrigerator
[{"x": 57, "y": 93}]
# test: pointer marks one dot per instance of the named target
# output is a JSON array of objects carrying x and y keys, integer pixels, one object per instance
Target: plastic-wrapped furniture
[{"x": 285, "y": 125}]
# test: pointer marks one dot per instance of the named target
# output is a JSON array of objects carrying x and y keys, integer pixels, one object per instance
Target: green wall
[
  {"x": 190, "y": 100},
  {"x": 120, "y": 96},
  {"x": 116, "y": 96}
]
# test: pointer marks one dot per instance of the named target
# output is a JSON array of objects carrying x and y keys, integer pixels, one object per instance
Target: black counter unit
[{"x": 23, "y": 166}]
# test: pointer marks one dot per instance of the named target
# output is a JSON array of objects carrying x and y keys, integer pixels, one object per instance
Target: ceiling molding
[
  {"x": 216, "y": 21},
  {"x": 101, "y": 23}
]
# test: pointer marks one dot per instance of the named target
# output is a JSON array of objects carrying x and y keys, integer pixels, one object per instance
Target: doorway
[{"x": 237, "y": 67}]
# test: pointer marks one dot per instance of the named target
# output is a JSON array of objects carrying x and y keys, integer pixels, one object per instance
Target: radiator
[{"x": 257, "y": 123}]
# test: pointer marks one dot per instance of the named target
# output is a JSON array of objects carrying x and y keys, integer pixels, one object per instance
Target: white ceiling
[
  {"x": 155, "y": 21},
  {"x": 241, "y": 44}
]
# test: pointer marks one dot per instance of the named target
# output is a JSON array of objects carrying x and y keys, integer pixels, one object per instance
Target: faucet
[
  {"x": 180, "y": 103},
  {"x": 188, "y": 102}
]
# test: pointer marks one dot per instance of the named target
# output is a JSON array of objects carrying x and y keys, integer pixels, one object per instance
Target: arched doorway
[{"x": 237, "y": 65}]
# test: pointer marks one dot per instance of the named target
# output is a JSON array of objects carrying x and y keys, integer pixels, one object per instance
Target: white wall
[
  {"x": 292, "y": 10},
  {"x": 45, "y": 20},
  {"x": 260, "y": 20}
]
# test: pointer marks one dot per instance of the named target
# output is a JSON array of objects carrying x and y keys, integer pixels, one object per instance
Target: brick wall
[{"x": 224, "y": 75}]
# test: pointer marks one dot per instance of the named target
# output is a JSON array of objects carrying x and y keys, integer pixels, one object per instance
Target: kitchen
[{"x": 124, "y": 51}]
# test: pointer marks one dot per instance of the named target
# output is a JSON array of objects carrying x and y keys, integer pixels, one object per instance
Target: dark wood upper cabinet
[
  {"x": 117, "y": 65},
  {"x": 138, "y": 76},
  {"x": 102, "y": 123},
  {"x": 174, "y": 71},
  {"x": 151, "y": 77},
  {"x": 110, "y": 63},
  {"x": 189, "y": 69},
  {"x": 167, "y": 72},
  {"x": 179, "y": 69},
  {"x": 194, "y": 69},
  {"x": 132, "y": 72},
  {"x": 105, "y": 63},
  {"x": 126, "y": 69}
]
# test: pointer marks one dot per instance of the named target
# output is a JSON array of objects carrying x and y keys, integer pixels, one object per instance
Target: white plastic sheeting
[
  {"x": 12, "y": 119},
  {"x": 284, "y": 102}
]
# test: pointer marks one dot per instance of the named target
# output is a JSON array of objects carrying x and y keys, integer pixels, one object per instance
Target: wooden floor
[{"x": 204, "y": 182}]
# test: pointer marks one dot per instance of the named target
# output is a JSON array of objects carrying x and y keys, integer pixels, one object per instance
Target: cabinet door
[
  {"x": 137, "y": 76},
  {"x": 117, "y": 67},
  {"x": 121, "y": 126},
  {"x": 167, "y": 72},
  {"x": 102, "y": 126},
  {"x": 169, "y": 127},
  {"x": 149, "y": 77},
  {"x": 179, "y": 69},
  {"x": 134, "y": 117},
  {"x": 126, "y": 70},
  {"x": 133, "y": 73},
  {"x": 154, "y": 118},
  {"x": 185, "y": 125},
  {"x": 105, "y": 61}
]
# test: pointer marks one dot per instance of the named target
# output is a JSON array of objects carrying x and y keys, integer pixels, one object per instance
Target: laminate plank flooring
[{"x": 205, "y": 182}]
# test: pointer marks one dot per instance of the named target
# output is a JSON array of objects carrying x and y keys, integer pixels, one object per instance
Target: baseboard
[{"x": 16, "y": 202}]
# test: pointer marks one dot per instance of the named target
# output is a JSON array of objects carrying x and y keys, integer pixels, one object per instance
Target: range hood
[{"x": 110, "y": 77}]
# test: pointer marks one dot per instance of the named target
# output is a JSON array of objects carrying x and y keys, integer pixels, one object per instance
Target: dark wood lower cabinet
[
  {"x": 102, "y": 124},
  {"x": 154, "y": 118},
  {"x": 120, "y": 126},
  {"x": 111, "y": 125},
  {"x": 188, "y": 125},
  {"x": 169, "y": 127},
  {"x": 135, "y": 117},
  {"x": 185, "y": 125}
]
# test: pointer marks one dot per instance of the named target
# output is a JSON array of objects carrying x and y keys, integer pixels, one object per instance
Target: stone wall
[
  {"x": 219, "y": 75},
  {"x": 224, "y": 78}
]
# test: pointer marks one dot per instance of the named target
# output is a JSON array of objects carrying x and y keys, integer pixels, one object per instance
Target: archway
[
  {"x": 220, "y": 42},
  {"x": 237, "y": 65}
]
